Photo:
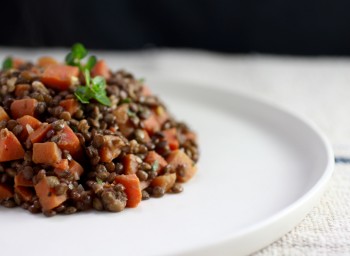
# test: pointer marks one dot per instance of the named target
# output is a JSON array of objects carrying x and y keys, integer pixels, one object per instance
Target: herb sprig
[
  {"x": 94, "y": 88},
  {"x": 7, "y": 63},
  {"x": 77, "y": 54}
]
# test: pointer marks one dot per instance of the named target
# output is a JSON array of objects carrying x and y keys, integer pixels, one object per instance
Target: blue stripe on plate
[{"x": 342, "y": 160}]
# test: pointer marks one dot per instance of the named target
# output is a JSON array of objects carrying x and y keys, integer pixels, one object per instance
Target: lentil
[{"x": 92, "y": 145}]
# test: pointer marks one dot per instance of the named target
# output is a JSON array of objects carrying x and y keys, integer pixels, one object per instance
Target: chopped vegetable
[
  {"x": 6, "y": 192},
  {"x": 132, "y": 188},
  {"x": 76, "y": 169},
  {"x": 3, "y": 115},
  {"x": 29, "y": 124},
  {"x": 10, "y": 147},
  {"x": 171, "y": 137},
  {"x": 46, "y": 153},
  {"x": 166, "y": 181},
  {"x": 111, "y": 148},
  {"x": 46, "y": 61},
  {"x": 130, "y": 164},
  {"x": 20, "y": 180},
  {"x": 151, "y": 124},
  {"x": 47, "y": 195},
  {"x": 21, "y": 90},
  {"x": 39, "y": 134},
  {"x": 70, "y": 105},
  {"x": 23, "y": 107},
  {"x": 183, "y": 165},
  {"x": 101, "y": 69},
  {"x": 156, "y": 161},
  {"x": 26, "y": 194},
  {"x": 69, "y": 141},
  {"x": 59, "y": 77},
  {"x": 63, "y": 164}
]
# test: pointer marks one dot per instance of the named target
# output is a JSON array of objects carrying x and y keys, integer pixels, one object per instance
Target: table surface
[{"x": 318, "y": 88}]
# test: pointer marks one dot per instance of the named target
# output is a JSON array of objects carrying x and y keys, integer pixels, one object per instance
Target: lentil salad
[{"x": 75, "y": 137}]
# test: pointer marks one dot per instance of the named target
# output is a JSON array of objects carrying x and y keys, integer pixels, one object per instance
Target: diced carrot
[
  {"x": 179, "y": 160},
  {"x": 70, "y": 142},
  {"x": 170, "y": 136},
  {"x": 29, "y": 124},
  {"x": 132, "y": 188},
  {"x": 70, "y": 105},
  {"x": 23, "y": 107},
  {"x": 46, "y": 153},
  {"x": 5, "y": 192},
  {"x": 111, "y": 148},
  {"x": 101, "y": 69},
  {"x": 10, "y": 147},
  {"x": 146, "y": 91},
  {"x": 25, "y": 193},
  {"x": 46, "y": 61},
  {"x": 121, "y": 114},
  {"x": 21, "y": 89},
  {"x": 126, "y": 129},
  {"x": 165, "y": 181},
  {"x": 17, "y": 62},
  {"x": 130, "y": 164},
  {"x": 40, "y": 133},
  {"x": 76, "y": 169},
  {"x": 20, "y": 180},
  {"x": 156, "y": 161},
  {"x": 151, "y": 124},
  {"x": 47, "y": 196},
  {"x": 161, "y": 115},
  {"x": 3, "y": 115},
  {"x": 63, "y": 164},
  {"x": 59, "y": 77},
  {"x": 122, "y": 118}
]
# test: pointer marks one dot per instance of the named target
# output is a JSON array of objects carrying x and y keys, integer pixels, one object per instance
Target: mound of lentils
[{"x": 109, "y": 157}]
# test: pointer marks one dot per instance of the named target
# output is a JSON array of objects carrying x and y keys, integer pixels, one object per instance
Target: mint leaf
[
  {"x": 7, "y": 64},
  {"x": 103, "y": 99},
  {"x": 90, "y": 62},
  {"x": 79, "y": 51},
  {"x": 83, "y": 93}
]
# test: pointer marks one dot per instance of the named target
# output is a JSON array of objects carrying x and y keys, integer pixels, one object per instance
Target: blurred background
[{"x": 267, "y": 26}]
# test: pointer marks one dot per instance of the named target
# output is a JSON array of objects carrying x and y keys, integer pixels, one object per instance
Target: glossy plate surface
[{"x": 261, "y": 170}]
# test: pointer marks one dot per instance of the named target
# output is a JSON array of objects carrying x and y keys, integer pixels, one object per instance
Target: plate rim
[{"x": 300, "y": 207}]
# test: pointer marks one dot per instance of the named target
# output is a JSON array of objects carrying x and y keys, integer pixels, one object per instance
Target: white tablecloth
[{"x": 318, "y": 88}]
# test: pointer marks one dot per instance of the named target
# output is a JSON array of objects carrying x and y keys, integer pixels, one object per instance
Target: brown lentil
[{"x": 94, "y": 125}]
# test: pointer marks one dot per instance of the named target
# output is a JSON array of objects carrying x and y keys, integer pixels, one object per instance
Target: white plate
[{"x": 261, "y": 170}]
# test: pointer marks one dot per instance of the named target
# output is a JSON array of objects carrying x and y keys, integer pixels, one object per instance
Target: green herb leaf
[
  {"x": 99, "y": 181},
  {"x": 90, "y": 62},
  {"x": 7, "y": 64},
  {"x": 155, "y": 166},
  {"x": 103, "y": 99},
  {"x": 98, "y": 83},
  {"x": 78, "y": 52},
  {"x": 142, "y": 80},
  {"x": 83, "y": 93},
  {"x": 94, "y": 88}
]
